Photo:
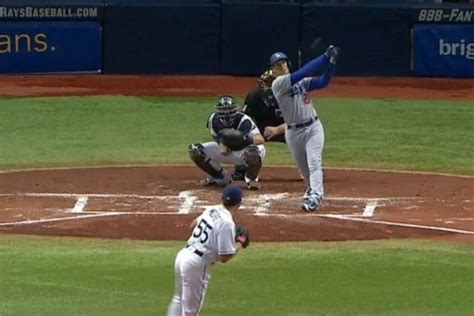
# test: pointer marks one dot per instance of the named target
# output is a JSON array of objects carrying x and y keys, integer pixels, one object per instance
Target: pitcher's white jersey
[
  {"x": 294, "y": 101},
  {"x": 214, "y": 233}
]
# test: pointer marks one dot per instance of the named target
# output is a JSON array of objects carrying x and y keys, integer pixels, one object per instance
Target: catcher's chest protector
[{"x": 216, "y": 125}]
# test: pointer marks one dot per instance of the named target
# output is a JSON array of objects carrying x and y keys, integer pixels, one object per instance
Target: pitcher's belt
[
  {"x": 304, "y": 124},
  {"x": 199, "y": 253}
]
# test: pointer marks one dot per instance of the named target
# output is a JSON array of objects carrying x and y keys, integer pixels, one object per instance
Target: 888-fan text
[{"x": 446, "y": 15}]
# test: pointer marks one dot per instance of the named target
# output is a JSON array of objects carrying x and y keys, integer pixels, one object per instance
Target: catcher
[{"x": 237, "y": 141}]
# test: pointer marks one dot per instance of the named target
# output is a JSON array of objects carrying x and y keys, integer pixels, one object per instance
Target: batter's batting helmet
[
  {"x": 278, "y": 56},
  {"x": 227, "y": 109}
]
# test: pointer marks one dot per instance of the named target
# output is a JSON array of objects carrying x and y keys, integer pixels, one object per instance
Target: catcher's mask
[{"x": 226, "y": 110}]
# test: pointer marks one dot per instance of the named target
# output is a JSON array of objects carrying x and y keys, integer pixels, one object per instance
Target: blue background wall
[
  {"x": 237, "y": 38},
  {"x": 251, "y": 33},
  {"x": 165, "y": 39},
  {"x": 373, "y": 41}
]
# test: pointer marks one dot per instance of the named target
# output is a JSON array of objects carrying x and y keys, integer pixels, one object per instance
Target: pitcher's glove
[
  {"x": 234, "y": 139},
  {"x": 242, "y": 235}
]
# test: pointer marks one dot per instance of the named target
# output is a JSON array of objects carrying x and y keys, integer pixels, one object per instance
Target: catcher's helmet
[
  {"x": 227, "y": 109},
  {"x": 278, "y": 56}
]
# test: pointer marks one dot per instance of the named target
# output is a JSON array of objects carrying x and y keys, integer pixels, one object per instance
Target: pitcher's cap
[{"x": 232, "y": 194}]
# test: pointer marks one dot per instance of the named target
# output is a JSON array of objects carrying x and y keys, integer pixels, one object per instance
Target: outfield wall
[{"x": 231, "y": 37}]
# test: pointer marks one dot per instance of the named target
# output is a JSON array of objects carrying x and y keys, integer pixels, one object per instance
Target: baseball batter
[
  {"x": 304, "y": 131},
  {"x": 213, "y": 239},
  {"x": 210, "y": 155}
]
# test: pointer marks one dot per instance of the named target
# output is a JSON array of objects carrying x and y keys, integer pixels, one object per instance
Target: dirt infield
[
  {"x": 353, "y": 87},
  {"x": 159, "y": 202}
]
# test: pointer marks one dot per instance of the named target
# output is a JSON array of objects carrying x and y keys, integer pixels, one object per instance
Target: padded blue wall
[
  {"x": 237, "y": 38},
  {"x": 251, "y": 32},
  {"x": 374, "y": 41},
  {"x": 163, "y": 39}
]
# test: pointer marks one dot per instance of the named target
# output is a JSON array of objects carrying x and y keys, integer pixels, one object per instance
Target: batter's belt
[{"x": 304, "y": 124}]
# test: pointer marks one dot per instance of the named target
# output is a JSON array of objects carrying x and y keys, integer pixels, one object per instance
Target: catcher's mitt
[
  {"x": 266, "y": 79},
  {"x": 242, "y": 231},
  {"x": 234, "y": 139}
]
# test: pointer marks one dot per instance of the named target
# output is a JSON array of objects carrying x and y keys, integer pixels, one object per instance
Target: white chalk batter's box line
[
  {"x": 186, "y": 194},
  {"x": 189, "y": 200}
]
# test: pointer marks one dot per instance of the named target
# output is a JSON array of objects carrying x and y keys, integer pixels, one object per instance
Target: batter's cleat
[
  {"x": 252, "y": 184},
  {"x": 217, "y": 182},
  {"x": 311, "y": 203},
  {"x": 307, "y": 193},
  {"x": 239, "y": 173}
]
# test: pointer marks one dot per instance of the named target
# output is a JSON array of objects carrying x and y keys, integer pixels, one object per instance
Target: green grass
[
  {"x": 94, "y": 130},
  {"x": 82, "y": 131},
  {"x": 66, "y": 276},
  {"x": 75, "y": 276},
  {"x": 400, "y": 134}
]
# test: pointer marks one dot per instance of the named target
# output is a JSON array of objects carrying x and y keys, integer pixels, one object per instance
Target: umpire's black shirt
[{"x": 263, "y": 108}]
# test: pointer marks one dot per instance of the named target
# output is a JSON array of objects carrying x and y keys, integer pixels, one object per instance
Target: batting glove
[{"x": 333, "y": 53}]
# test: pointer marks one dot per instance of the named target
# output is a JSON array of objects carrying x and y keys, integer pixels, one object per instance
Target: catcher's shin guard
[
  {"x": 254, "y": 162},
  {"x": 197, "y": 154},
  {"x": 239, "y": 172}
]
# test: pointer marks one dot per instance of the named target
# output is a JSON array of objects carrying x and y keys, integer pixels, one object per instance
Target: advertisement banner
[
  {"x": 444, "y": 15},
  {"x": 50, "y": 12},
  {"x": 40, "y": 47},
  {"x": 443, "y": 50}
]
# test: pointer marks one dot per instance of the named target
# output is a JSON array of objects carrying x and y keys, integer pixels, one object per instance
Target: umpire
[{"x": 261, "y": 105}]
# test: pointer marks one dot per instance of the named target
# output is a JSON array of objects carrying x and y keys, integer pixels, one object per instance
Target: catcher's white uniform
[
  {"x": 243, "y": 123},
  {"x": 246, "y": 153},
  {"x": 213, "y": 235}
]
